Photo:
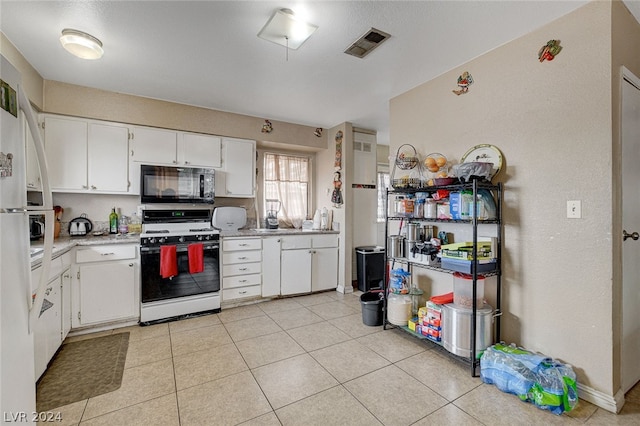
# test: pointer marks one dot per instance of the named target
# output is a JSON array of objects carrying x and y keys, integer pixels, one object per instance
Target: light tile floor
[{"x": 306, "y": 360}]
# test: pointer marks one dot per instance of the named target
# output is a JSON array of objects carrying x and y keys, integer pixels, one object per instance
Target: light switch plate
[{"x": 574, "y": 209}]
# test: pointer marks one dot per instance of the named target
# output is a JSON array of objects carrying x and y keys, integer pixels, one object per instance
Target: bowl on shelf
[{"x": 445, "y": 181}]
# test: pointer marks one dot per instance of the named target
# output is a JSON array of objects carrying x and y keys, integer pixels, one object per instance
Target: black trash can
[
  {"x": 370, "y": 264},
  {"x": 372, "y": 305}
]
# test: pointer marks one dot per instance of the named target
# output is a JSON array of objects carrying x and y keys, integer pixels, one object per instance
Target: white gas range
[{"x": 180, "y": 258}]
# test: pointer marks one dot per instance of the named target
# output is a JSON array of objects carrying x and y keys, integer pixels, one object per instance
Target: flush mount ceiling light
[
  {"x": 285, "y": 29},
  {"x": 81, "y": 44}
]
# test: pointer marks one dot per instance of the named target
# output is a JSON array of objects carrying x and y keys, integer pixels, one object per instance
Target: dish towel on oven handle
[
  {"x": 196, "y": 258},
  {"x": 168, "y": 262}
]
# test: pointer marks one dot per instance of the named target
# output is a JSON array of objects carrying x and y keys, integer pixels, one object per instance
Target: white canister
[
  {"x": 398, "y": 309},
  {"x": 430, "y": 208}
]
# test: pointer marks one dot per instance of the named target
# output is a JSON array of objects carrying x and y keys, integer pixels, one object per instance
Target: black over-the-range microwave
[{"x": 166, "y": 184}]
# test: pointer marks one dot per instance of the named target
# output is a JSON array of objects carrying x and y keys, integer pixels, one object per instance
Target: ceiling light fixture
[
  {"x": 81, "y": 44},
  {"x": 285, "y": 29}
]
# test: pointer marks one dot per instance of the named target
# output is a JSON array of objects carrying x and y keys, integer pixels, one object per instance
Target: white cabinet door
[
  {"x": 108, "y": 155},
  {"x": 200, "y": 150},
  {"x": 154, "y": 146},
  {"x": 271, "y": 266},
  {"x": 66, "y": 149},
  {"x": 107, "y": 292},
  {"x": 295, "y": 272},
  {"x": 324, "y": 269},
  {"x": 239, "y": 168},
  {"x": 47, "y": 333},
  {"x": 66, "y": 302}
]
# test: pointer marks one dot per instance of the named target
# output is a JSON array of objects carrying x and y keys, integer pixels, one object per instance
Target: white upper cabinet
[
  {"x": 154, "y": 146},
  {"x": 108, "y": 154},
  {"x": 86, "y": 155},
  {"x": 167, "y": 147},
  {"x": 65, "y": 143},
  {"x": 200, "y": 150},
  {"x": 238, "y": 175}
]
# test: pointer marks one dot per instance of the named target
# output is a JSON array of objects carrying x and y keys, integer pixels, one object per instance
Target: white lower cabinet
[
  {"x": 54, "y": 320},
  {"x": 271, "y": 266},
  {"x": 108, "y": 284},
  {"x": 241, "y": 268},
  {"x": 309, "y": 263}
]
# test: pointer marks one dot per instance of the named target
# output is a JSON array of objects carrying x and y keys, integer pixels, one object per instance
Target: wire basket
[{"x": 408, "y": 162}]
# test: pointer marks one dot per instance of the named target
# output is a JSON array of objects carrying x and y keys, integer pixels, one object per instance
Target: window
[
  {"x": 286, "y": 179},
  {"x": 383, "y": 184}
]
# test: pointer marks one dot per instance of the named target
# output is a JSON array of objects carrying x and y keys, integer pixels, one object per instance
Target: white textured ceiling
[{"x": 207, "y": 53}]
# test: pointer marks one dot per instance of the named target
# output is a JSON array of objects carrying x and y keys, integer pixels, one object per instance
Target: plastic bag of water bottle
[{"x": 535, "y": 378}]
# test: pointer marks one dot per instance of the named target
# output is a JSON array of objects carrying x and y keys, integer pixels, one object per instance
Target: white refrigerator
[{"x": 19, "y": 307}]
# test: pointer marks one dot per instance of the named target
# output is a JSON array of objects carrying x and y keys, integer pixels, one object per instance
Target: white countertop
[{"x": 64, "y": 244}]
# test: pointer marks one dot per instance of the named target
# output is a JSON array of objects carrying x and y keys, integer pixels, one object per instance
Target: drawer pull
[
  {"x": 242, "y": 281},
  {"x": 242, "y": 292},
  {"x": 243, "y": 244},
  {"x": 242, "y": 257},
  {"x": 107, "y": 254},
  {"x": 243, "y": 269}
]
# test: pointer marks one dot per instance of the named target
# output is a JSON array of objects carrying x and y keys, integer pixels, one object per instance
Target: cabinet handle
[
  {"x": 242, "y": 257},
  {"x": 242, "y": 292},
  {"x": 31, "y": 185},
  {"x": 131, "y": 265},
  {"x": 48, "y": 290},
  {"x": 93, "y": 187},
  {"x": 187, "y": 162},
  {"x": 107, "y": 254},
  {"x": 242, "y": 269},
  {"x": 243, "y": 244},
  {"x": 242, "y": 281},
  {"x": 174, "y": 162},
  {"x": 66, "y": 276},
  {"x": 84, "y": 186}
]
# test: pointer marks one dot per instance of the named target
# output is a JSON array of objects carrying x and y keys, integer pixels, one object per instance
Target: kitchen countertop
[
  {"x": 64, "y": 244},
  {"x": 267, "y": 232}
]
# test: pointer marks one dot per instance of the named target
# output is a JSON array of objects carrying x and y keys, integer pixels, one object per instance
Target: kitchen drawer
[
  {"x": 240, "y": 292},
  {"x": 241, "y": 281},
  {"x": 241, "y": 269},
  {"x": 296, "y": 242},
  {"x": 106, "y": 253},
  {"x": 241, "y": 257},
  {"x": 322, "y": 241},
  {"x": 241, "y": 244}
]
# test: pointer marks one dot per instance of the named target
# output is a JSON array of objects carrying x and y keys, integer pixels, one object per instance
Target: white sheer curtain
[{"x": 286, "y": 178}]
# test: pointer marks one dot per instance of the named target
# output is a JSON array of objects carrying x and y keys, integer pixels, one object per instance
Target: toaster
[{"x": 229, "y": 218}]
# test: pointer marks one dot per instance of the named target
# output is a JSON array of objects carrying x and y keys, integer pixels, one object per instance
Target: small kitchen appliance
[
  {"x": 273, "y": 207},
  {"x": 229, "y": 218}
]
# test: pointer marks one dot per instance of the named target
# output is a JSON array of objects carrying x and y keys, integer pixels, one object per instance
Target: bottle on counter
[
  {"x": 135, "y": 226},
  {"x": 123, "y": 225},
  {"x": 113, "y": 221}
]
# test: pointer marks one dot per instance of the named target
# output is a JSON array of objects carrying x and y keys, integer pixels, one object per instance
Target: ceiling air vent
[{"x": 365, "y": 44}]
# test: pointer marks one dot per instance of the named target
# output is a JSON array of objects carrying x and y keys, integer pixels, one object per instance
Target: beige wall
[
  {"x": 324, "y": 167},
  {"x": 552, "y": 121},
  {"x": 69, "y": 99},
  {"x": 32, "y": 81}
]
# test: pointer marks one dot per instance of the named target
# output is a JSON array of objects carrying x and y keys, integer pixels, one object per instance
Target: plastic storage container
[
  {"x": 399, "y": 309},
  {"x": 372, "y": 304},
  {"x": 370, "y": 264},
  {"x": 463, "y": 290}
]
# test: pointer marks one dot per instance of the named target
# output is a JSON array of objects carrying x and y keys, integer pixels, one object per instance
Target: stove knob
[
  {"x": 161, "y": 240},
  {"x": 208, "y": 237},
  {"x": 200, "y": 237},
  {"x": 152, "y": 240},
  {"x": 181, "y": 239}
]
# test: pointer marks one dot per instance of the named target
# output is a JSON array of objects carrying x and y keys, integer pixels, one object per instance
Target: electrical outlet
[{"x": 574, "y": 209}]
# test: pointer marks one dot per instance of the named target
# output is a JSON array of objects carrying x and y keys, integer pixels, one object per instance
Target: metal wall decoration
[
  {"x": 464, "y": 81},
  {"x": 6, "y": 164},
  {"x": 336, "y": 196},
  {"x": 549, "y": 50},
  {"x": 267, "y": 127}
]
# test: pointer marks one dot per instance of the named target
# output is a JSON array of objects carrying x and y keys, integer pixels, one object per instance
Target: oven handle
[{"x": 179, "y": 248}]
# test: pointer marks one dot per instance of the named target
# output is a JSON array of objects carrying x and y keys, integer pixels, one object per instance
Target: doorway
[{"x": 630, "y": 135}]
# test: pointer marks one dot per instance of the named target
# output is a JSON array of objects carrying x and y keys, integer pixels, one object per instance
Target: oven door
[{"x": 155, "y": 288}]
